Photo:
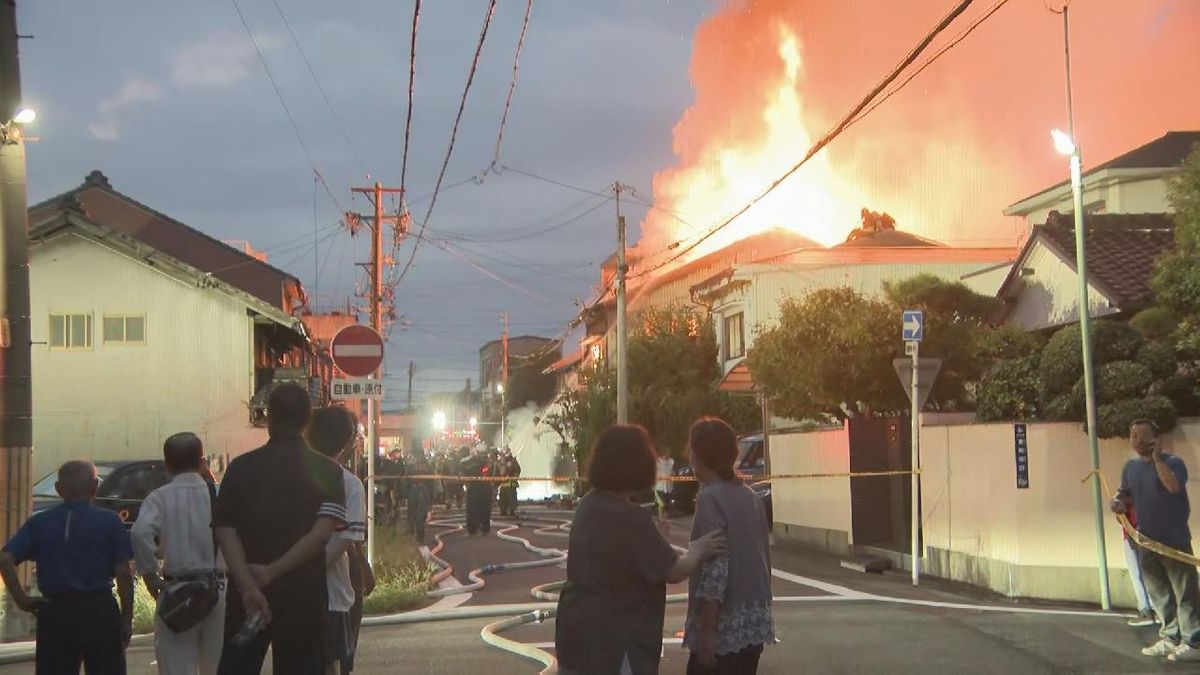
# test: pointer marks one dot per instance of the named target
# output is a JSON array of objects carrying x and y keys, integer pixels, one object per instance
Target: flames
[
  {"x": 725, "y": 172},
  {"x": 946, "y": 155}
]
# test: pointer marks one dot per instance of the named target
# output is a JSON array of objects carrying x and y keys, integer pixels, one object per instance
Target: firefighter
[
  {"x": 508, "y": 467},
  {"x": 450, "y": 464},
  {"x": 419, "y": 493},
  {"x": 480, "y": 494}
]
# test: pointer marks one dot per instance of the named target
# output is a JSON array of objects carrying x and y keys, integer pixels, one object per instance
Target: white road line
[{"x": 819, "y": 585}]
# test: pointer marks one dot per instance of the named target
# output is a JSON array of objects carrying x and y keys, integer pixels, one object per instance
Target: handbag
[{"x": 186, "y": 605}]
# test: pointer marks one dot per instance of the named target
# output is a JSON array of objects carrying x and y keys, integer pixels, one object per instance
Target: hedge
[{"x": 1115, "y": 418}]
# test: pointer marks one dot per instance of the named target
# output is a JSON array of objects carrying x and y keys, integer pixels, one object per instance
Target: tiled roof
[
  {"x": 888, "y": 238},
  {"x": 1121, "y": 249},
  {"x": 110, "y": 208},
  {"x": 738, "y": 380},
  {"x": 565, "y": 363}
]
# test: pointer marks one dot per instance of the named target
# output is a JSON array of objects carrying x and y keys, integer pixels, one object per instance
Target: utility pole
[
  {"x": 1085, "y": 326},
  {"x": 622, "y": 325},
  {"x": 375, "y": 268},
  {"x": 504, "y": 382},
  {"x": 16, "y": 406},
  {"x": 411, "y": 370}
]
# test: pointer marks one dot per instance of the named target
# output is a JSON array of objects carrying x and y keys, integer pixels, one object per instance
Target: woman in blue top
[{"x": 729, "y": 601}]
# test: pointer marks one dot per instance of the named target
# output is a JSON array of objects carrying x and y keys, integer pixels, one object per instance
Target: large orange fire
[{"x": 944, "y": 156}]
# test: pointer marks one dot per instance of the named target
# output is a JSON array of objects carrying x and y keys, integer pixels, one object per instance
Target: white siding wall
[
  {"x": 772, "y": 285},
  {"x": 1050, "y": 296},
  {"x": 1125, "y": 196},
  {"x": 194, "y": 373}
]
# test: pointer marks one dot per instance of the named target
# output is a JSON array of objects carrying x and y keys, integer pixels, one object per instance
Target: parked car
[
  {"x": 751, "y": 463},
  {"x": 123, "y": 486}
]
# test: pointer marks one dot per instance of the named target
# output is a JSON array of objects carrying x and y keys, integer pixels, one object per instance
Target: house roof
[
  {"x": 887, "y": 238},
  {"x": 1121, "y": 251},
  {"x": 122, "y": 213},
  {"x": 565, "y": 363},
  {"x": 738, "y": 380},
  {"x": 1165, "y": 152},
  {"x": 71, "y": 216},
  {"x": 518, "y": 338}
]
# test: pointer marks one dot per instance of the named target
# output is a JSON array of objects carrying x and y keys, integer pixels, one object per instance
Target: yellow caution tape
[
  {"x": 673, "y": 479},
  {"x": 1139, "y": 538}
]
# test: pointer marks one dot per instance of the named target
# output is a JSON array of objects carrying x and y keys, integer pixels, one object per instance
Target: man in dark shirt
[
  {"x": 277, "y": 508},
  {"x": 1157, "y": 483},
  {"x": 78, "y": 549}
]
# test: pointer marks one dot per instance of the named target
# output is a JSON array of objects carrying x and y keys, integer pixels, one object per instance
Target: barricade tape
[
  {"x": 662, "y": 479},
  {"x": 1139, "y": 538}
]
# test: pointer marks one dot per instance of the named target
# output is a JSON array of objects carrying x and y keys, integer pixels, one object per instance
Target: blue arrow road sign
[{"x": 913, "y": 325}]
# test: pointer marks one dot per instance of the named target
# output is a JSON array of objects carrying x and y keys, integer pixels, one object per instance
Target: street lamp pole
[{"x": 1070, "y": 145}]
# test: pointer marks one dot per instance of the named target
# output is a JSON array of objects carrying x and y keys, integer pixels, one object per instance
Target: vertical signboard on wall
[{"x": 1021, "y": 447}]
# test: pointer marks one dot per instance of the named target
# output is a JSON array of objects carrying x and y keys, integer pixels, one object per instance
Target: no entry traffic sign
[{"x": 357, "y": 350}]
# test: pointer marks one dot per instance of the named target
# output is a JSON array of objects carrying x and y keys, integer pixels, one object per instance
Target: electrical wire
[
  {"x": 412, "y": 78},
  {"x": 528, "y": 174},
  {"x": 329, "y": 104},
  {"x": 519, "y": 235},
  {"x": 824, "y": 140},
  {"x": 283, "y": 103},
  {"x": 512, "y": 87},
  {"x": 487, "y": 22}
]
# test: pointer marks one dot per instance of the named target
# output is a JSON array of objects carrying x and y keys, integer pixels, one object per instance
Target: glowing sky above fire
[{"x": 946, "y": 155}]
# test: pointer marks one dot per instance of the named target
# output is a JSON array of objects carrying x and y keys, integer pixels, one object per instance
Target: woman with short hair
[
  {"x": 611, "y": 611},
  {"x": 729, "y": 602}
]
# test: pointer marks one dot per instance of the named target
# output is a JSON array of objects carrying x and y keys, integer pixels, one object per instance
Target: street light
[
  {"x": 10, "y": 131},
  {"x": 1063, "y": 143},
  {"x": 439, "y": 421},
  {"x": 473, "y": 422},
  {"x": 25, "y": 116}
]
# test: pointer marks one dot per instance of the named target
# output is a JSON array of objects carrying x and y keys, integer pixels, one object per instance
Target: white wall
[
  {"x": 193, "y": 373},
  {"x": 1043, "y": 536},
  {"x": 1050, "y": 296},
  {"x": 815, "y": 503}
]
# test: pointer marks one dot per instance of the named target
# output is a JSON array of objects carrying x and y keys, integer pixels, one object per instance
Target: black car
[
  {"x": 751, "y": 463},
  {"x": 123, "y": 486}
]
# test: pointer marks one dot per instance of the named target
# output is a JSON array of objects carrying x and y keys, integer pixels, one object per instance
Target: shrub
[
  {"x": 1008, "y": 342},
  {"x": 1184, "y": 393},
  {"x": 1115, "y": 418},
  {"x": 1062, "y": 360},
  {"x": 1154, "y": 323},
  {"x": 1065, "y": 407},
  {"x": 1158, "y": 358},
  {"x": 1009, "y": 391},
  {"x": 1117, "y": 381}
]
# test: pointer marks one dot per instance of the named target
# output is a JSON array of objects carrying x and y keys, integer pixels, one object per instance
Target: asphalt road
[{"x": 829, "y": 620}]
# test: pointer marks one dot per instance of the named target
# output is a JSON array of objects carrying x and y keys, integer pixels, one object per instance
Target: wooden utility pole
[
  {"x": 16, "y": 400},
  {"x": 375, "y": 193},
  {"x": 411, "y": 370}
]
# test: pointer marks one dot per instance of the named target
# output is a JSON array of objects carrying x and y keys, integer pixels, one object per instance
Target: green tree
[
  {"x": 956, "y": 329},
  {"x": 1177, "y": 274},
  {"x": 829, "y": 351}
]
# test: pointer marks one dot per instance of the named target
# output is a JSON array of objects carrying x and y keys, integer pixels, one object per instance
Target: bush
[
  {"x": 1009, "y": 391},
  {"x": 1117, "y": 381},
  {"x": 1158, "y": 358},
  {"x": 1115, "y": 418},
  {"x": 1065, "y": 407},
  {"x": 1008, "y": 342},
  {"x": 1062, "y": 359},
  {"x": 1154, "y": 323},
  {"x": 1184, "y": 393}
]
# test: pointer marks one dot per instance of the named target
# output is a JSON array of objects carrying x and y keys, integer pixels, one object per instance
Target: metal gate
[{"x": 881, "y": 506}]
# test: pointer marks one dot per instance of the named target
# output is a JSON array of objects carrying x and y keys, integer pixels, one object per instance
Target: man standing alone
[
  {"x": 277, "y": 509},
  {"x": 1157, "y": 483},
  {"x": 178, "y": 518},
  {"x": 78, "y": 549}
]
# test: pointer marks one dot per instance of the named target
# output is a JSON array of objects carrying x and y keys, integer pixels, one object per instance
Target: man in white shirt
[
  {"x": 176, "y": 520},
  {"x": 333, "y": 432},
  {"x": 666, "y": 468}
]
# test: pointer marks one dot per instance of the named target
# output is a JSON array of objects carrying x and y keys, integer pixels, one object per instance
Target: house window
[
  {"x": 70, "y": 331},
  {"x": 124, "y": 330},
  {"x": 735, "y": 338}
]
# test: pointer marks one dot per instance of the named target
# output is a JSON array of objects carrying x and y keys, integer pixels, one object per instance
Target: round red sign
[{"x": 357, "y": 350}]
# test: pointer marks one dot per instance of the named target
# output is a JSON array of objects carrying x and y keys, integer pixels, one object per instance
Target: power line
[
  {"x": 329, "y": 104},
  {"x": 529, "y": 174},
  {"x": 412, "y": 78},
  {"x": 287, "y": 111},
  {"x": 462, "y": 105},
  {"x": 824, "y": 140},
  {"x": 519, "y": 235},
  {"x": 512, "y": 87}
]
